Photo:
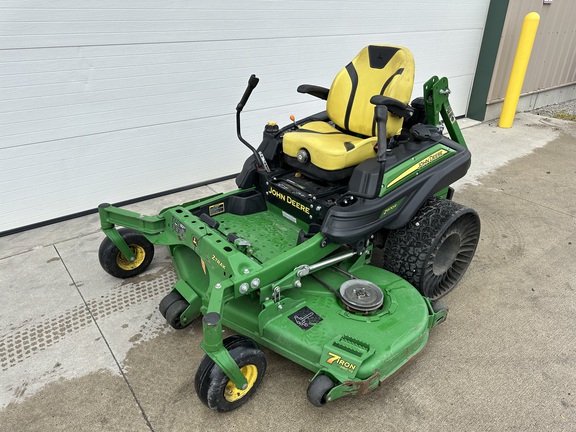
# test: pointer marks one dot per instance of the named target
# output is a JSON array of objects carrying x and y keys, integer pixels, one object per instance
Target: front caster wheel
[
  {"x": 116, "y": 264},
  {"x": 318, "y": 390},
  {"x": 434, "y": 249},
  {"x": 217, "y": 391}
]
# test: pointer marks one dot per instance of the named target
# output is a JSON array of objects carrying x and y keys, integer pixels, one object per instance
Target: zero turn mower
[{"x": 284, "y": 261}]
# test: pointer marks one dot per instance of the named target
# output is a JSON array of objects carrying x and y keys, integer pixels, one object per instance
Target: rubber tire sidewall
[
  {"x": 211, "y": 381},
  {"x": 168, "y": 301},
  {"x": 318, "y": 389},
  {"x": 398, "y": 254},
  {"x": 207, "y": 363},
  {"x": 108, "y": 253},
  {"x": 173, "y": 314}
]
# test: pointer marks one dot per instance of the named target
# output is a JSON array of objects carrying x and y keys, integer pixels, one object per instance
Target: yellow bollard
[{"x": 521, "y": 59}]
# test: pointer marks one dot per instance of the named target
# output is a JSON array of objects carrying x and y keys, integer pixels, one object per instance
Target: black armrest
[
  {"x": 399, "y": 109},
  {"x": 314, "y": 90}
]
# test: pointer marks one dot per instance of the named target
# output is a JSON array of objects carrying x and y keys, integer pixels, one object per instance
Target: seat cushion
[
  {"x": 329, "y": 149},
  {"x": 385, "y": 70}
]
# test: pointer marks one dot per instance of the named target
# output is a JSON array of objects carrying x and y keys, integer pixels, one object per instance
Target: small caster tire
[
  {"x": 236, "y": 340},
  {"x": 229, "y": 343},
  {"x": 116, "y": 264},
  {"x": 173, "y": 313},
  {"x": 439, "y": 305},
  {"x": 318, "y": 390},
  {"x": 168, "y": 301},
  {"x": 217, "y": 391}
]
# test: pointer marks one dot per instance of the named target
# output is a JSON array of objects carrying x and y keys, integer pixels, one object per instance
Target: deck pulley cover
[{"x": 361, "y": 295}]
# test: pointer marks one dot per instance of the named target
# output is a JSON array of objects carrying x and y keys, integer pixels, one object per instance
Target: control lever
[
  {"x": 252, "y": 83},
  {"x": 381, "y": 117},
  {"x": 260, "y": 159}
]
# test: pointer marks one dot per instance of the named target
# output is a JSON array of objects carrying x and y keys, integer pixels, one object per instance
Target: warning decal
[{"x": 305, "y": 318}]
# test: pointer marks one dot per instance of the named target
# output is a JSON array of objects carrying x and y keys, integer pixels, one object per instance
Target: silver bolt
[
  {"x": 311, "y": 217},
  {"x": 243, "y": 288},
  {"x": 280, "y": 306},
  {"x": 246, "y": 271},
  {"x": 297, "y": 284},
  {"x": 218, "y": 286},
  {"x": 245, "y": 386},
  {"x": 255, "y": 283},
  {"x": 318, "y": 208},
  {"x": 268, "y": 298}
]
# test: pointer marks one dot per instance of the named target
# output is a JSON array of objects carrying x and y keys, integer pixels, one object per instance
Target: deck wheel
[
  {"x": 168, "y": 301},
  {"x": 173, "y": 313},
  {"x": 318, "y": 390}
]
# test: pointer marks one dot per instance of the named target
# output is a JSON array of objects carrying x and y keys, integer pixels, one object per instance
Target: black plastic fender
[{"x": 363, "y": 218}]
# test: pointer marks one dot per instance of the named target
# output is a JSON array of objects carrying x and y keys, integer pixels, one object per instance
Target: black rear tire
[{"x": 434, "y": 249}]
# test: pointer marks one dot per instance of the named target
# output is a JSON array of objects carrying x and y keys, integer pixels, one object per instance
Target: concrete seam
[
  {"x": 539, "y": 205},
  {"x": 140, "y": 407}
]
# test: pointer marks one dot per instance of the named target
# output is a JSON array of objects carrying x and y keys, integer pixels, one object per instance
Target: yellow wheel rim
[
  {"x": 233, "y": 393},
  {"x": 139, "y": 255}
]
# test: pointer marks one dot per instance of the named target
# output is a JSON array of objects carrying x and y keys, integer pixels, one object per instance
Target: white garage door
[{"x": 109, "y": 101}]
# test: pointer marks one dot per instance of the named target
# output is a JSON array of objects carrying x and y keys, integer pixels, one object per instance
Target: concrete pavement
[{"x": 80, "y": 350}]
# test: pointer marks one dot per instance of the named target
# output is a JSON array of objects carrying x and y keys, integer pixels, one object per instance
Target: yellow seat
[
  {"x": 329, "y": 148},
  {"x": 377, "y": 70}
]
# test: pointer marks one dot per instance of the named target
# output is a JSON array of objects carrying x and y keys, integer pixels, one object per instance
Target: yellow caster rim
[
  {"x": 139, "y": 256},
  {"x": 233, "y": 393}
]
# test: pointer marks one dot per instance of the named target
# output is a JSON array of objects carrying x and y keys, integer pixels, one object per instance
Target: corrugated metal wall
[
  {"x": 553, "y": 59},
  {"x": 105, "y": 101}
]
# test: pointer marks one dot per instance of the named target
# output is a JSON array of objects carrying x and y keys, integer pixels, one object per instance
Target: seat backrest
[{"x": 377, "y": 70}]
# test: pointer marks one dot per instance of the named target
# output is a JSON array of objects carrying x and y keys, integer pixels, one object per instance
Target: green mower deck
[{"x": 303, "y": 309}]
